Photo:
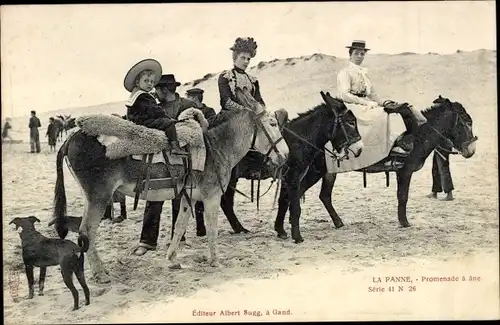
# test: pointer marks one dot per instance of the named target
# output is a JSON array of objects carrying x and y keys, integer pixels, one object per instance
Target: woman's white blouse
[{"x": 353, "y": 81}]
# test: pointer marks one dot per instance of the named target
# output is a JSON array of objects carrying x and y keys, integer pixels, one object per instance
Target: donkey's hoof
[
  {"x": 299, "y": 240},
  {"x": 243, "y": 230},
  {"x": 102, "y": 278},
  {"x": 339, "y": 225},
  {"x": 240, "y": 230},
  {"x": 404, "y": 224},
  {"x": 201, "y": 232},
  {"x": 175, "y": 266}
]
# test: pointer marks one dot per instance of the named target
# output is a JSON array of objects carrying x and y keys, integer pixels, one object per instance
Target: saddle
[{"x": 125, "y": 139}]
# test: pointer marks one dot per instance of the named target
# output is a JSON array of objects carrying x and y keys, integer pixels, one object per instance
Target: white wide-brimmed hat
[{"x": 146, "y": 64}]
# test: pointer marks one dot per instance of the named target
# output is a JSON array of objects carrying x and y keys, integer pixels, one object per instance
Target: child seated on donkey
[{"x": 142, "y": 107}]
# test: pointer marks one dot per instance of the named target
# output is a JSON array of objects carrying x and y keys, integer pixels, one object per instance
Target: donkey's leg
[
  {"x": 200, "y": 221},
  {"x": 94, "y": 209},
  {"x": 283, "y": 204},
  {"x": 176, "y": 204},
  {"x": 180, "y": 227},
  {"x": 326, "y": 197},
  {"x": 212, "y": 219},
  {"x": 293, "y": 186},
  {"x": 403, "y": 177},
  {"x": 227, "y": 203}
]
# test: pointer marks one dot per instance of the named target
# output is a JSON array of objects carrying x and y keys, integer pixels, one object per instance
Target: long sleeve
[
  {"x": 226, "y": 98},
  {"x": 258, "y": 96},
  {"x": 146, "y": 112},
  {"x": 344, "y": 90},
  {"x": 374, "y": 96}
]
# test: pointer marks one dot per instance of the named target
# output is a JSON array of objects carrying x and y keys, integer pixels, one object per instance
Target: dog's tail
[
  {"x": 59, "y": 214},
  {"x": 83, "y": 242}
]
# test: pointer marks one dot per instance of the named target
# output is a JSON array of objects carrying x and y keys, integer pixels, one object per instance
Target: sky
[{"x": 61, "y": 56}]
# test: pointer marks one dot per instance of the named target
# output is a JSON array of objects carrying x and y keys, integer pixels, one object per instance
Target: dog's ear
[
  {"x": 15, "y": 221},
  {"x": 33, "y": 219}
]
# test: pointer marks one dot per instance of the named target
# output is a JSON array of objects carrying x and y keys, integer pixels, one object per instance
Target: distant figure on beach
[
  {"x": 196, "y": 95},
  {"x": 34, "y": 134},
  {"x": 51, "y": 134},
  {"x": 6, "y": 129}
]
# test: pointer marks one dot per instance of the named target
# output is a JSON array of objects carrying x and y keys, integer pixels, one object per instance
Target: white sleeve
[{"x": 374, "y": 96}]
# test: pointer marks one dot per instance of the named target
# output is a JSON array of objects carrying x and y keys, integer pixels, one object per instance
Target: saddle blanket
[
  {"x": 378, "y": 131},
  {"x": 198, "y": 154},
  {"x": 123, "y": 138}
]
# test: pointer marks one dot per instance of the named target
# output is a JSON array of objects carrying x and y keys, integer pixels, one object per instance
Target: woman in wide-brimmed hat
[
  {"x": 142, "y": 107},
  {"x": 244, "y": 49},
  {"x": 355, "y": 87}
]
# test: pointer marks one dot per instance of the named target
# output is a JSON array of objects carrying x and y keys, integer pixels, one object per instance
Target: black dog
[{"x": 41, "y": 251}]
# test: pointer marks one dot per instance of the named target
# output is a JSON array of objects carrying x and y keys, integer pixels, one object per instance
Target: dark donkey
[
  {"x": 306, "y": 137},
  {"x": 446, "y": 121}
]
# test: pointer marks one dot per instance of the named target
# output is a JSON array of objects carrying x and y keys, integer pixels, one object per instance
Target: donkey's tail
[{"x": 59, "y": 214}]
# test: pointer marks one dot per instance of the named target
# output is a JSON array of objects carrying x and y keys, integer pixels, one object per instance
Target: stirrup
[{"x": 399, "y": 152}]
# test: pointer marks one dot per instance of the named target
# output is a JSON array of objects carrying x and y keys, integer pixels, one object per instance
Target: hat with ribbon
[
  {"x": 168, "y": 79},
  {"x": 146, "y": 64},
  {"x": 358, "y": 44}
]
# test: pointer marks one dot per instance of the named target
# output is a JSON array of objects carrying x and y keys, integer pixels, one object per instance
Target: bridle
[
  {"x": 348, "y": 141},
  {"x": 256, "y": 119},
  {"x": 257, "y": 123},
  {"x": 459, "y": 121}
]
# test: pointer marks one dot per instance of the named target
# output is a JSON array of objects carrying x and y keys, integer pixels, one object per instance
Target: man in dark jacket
[
  {"x": 196, "y": 95},
  {"x": 170, "y": 100},
  {"x": 34, "y": 124},
  {"x": 441, "y": 174}
]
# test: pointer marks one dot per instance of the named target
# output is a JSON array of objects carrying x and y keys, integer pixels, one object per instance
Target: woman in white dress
[{"x": 354, "y": 87}]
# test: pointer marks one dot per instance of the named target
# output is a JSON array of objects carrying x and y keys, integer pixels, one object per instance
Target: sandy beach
[{"x": 263, "y": 278}]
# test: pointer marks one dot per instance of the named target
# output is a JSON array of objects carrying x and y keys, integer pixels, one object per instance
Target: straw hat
[
  {"x": 361, "y": 45},
  {"x": 146, "y": 64}
]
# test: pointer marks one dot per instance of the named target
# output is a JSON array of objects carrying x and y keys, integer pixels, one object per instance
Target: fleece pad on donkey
[
  {"x": 378, "y": 131},
  {"x": 123, "y": 138}
]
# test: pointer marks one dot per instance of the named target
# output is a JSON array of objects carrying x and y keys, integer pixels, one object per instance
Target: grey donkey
[{"x": 41, "y": 251}]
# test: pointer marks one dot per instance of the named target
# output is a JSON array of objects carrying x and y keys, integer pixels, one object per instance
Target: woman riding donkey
[
  {"x": 142, "y": 107},
  {"x": 356, "y": 90}
]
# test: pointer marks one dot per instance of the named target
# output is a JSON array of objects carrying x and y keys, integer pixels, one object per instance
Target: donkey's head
[
  {"x": 345, "y": 134},
  {"x": 459, "y": 130},
  {"x": 267, "y": 138}
]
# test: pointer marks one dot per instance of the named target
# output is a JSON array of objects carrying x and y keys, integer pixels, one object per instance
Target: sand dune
[{"x": 329, "y": 274}]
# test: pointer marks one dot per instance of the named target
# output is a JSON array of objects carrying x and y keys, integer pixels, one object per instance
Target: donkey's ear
[{"x": 323, "y": 95}]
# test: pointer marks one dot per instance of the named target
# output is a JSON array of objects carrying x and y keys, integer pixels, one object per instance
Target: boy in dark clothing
[{"x": 52, "y": 134}]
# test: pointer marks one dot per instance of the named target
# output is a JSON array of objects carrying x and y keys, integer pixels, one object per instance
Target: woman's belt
[{"x": 359, "y": 95}]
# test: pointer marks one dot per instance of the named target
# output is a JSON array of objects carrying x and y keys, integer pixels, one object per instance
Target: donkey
[
  {"x": 446, "y": 121},
  {"x": 306, "y": 136},
  {"x": 99, "y": 177}
]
